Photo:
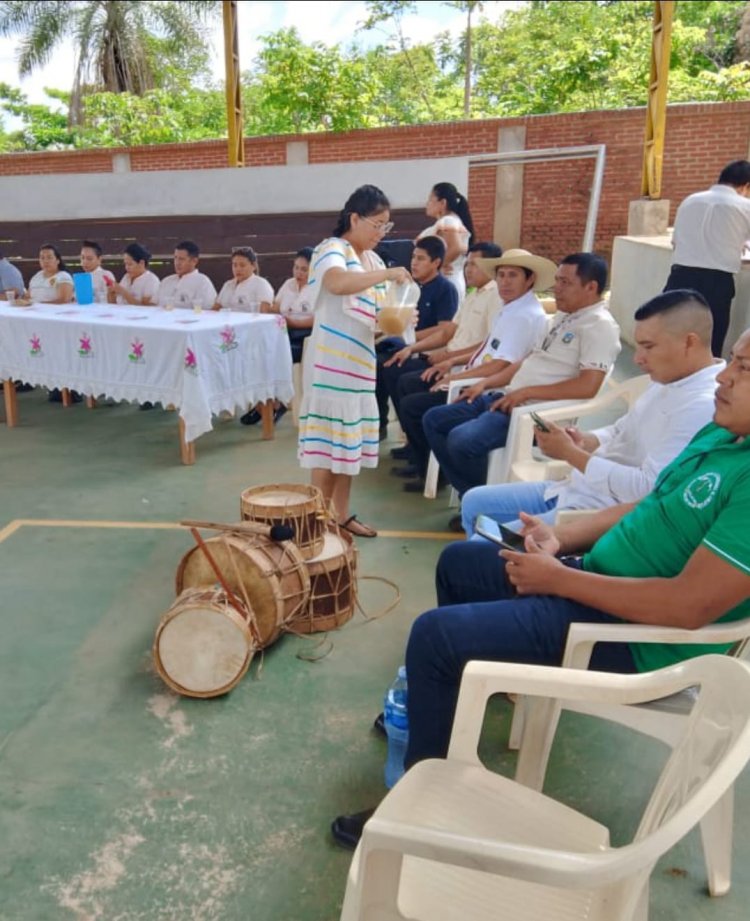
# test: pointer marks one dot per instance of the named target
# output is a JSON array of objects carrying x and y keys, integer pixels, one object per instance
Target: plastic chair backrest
[{"x": 84, "y": 287}]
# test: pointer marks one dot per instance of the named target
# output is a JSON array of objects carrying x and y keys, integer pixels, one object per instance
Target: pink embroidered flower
[
  {"x": 36, "y": 345},
  {"x": 85, "y": 344},
  {"x": 280, "y": 321},
  {"x": 191, "y": 362},
  {"x": 137, "y": 347}
]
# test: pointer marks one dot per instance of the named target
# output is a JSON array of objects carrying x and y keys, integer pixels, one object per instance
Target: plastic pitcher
[
  {"x": 84, "y": 285},
  {"x": 397, "y": 312}
]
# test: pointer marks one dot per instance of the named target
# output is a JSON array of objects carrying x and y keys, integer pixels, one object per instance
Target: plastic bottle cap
[{"x": 402, "y": 672}]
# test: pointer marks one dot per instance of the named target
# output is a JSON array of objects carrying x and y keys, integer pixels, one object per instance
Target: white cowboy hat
[{"x": 544, "y": 269}]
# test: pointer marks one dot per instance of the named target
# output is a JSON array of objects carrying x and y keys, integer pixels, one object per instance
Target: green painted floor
[{"x": 121, "y": 801}]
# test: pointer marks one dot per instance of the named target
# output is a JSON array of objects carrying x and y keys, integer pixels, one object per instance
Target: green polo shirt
[{"x": 702, "y": 497}]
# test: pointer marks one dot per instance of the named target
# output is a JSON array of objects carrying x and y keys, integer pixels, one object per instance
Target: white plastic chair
[
  {"x": 661, "y": 719},
  {"x": 453, "y": 841}
]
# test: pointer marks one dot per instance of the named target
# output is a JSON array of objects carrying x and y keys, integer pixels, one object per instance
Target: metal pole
[
  {"x": 236, "y": 151},
  {"x": 656, "y": 112}
]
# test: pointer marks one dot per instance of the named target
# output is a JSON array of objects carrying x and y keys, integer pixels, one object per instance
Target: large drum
[
  {"x": 294, "y": 504},
  {"x": 203, "y": 646},
  {"x": 269, "y": 575},
  {"x": 333, "y": 585}
]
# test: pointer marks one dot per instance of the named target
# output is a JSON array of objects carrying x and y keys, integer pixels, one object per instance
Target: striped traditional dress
[{"x": 339, "y": 414}]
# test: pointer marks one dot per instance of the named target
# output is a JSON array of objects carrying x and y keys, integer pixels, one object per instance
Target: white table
[{"x": 201, "y": 363}]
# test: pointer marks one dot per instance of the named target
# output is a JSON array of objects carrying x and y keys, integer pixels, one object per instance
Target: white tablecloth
[{"x": 202, "y": 363}]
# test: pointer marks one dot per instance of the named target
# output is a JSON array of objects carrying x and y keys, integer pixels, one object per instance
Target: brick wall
[{"x": 701, "y": 138}]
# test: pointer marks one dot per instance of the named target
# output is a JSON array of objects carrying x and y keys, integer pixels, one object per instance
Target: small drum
[
  {"x": 333, "y": 585},
  {"x": 294, "y": 504},
  {"x": 202, "y": 647},
  {"x": 270, "y": 575}
]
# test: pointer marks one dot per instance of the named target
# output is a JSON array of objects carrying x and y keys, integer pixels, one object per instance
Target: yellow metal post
[
  {"x": 656, "y": 114},
  {"x": 233, "y": 89}
]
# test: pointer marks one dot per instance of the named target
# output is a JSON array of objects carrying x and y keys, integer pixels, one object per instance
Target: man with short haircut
[
  {"x": 10, "y": 279},
  {"x": 678, "y": 558},
  {"x": 515, "y": 330},
  {"x": 91, "y": 262},
  {"x": 620, "y": 462},
  {"x": 187, "y": 287},
  {"x": 710, "y": 231},
  {"x": 437, "y": 305},
  {"x": 569, "y": 364}
]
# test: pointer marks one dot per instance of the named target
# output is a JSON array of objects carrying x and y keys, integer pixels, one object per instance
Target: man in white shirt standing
[
  {"x": 620, "y": 463},
  {"x": 710, "y": 231},
  {"x": 187, "y": 287}
]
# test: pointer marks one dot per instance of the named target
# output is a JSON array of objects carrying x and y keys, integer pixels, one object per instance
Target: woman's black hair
[
  {"x": 364, "y": 201},
  {"x": 247, "y": 251},
  {"x": 61, "y": 267},
  {"x": 138, "y": 253},
  {"x": 304, "y": 253},
  {"x": 447, "y": 192}
]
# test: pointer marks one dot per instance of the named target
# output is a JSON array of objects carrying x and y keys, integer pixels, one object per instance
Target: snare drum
[
  {"x": 295, "y": 504},
  {"x": 202, "y": 647},
  {"x": 270, "y": 574},
  {"x": 333, "y": 585}
]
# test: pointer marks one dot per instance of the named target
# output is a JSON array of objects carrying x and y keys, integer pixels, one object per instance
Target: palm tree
[{"x": 118, "y": 42}]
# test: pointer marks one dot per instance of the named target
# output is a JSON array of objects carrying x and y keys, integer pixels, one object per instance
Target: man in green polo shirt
[{"x": 679, "y": 558}]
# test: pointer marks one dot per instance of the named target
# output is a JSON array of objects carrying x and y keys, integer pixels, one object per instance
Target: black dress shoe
[
  {"x": 416, "y": 485},
  {"x": 146, "y": 406},
  {"x": 250, "y": 418},
  {"x": 279, "y": 412},
  {"x": 456, "y": 525},
  {"x": 408, "y": 472},
  {"x": 379, "y": 725},
  {"x": 403, "y": 452},
  {"x": 347, "y": 829}
]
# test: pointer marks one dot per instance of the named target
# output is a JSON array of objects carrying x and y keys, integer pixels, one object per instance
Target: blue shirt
[
  {"x": 10, "y": 277},
  {"x": 438, "y": 302}
]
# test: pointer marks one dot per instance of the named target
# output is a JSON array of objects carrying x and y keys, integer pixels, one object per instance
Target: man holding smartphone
[
  {"x": 620, "y": 462},
  {"x": 680, "y": 558}
]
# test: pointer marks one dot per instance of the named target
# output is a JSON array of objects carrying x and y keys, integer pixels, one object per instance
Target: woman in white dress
[
  {"x": 454, "y": 225},
  {"x": 139, "y": 285},
  {"x": 246, "y": 291},
  {"x": 52, "y": 284},
  {"x": 293, "y": 302},
  {"x": 338, "y": 424}
]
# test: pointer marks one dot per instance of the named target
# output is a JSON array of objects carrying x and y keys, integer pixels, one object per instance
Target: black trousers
[
  {"x": 718, "y": 289},
  {"x": 415, "y": 399}
]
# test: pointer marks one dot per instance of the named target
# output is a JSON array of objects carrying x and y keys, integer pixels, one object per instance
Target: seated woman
[
  {"x": 247, "y": 291},
  {"x": 138, "y": 285},
  {"x": 52, "y": 284},
  {"x": 293, "y": 302}
]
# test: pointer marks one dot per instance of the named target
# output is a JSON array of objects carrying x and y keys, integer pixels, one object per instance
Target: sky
[{"x": 331, "y": 22}]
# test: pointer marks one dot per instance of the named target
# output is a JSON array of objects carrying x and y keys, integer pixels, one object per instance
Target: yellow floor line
[{"x": 18, "y": 523}]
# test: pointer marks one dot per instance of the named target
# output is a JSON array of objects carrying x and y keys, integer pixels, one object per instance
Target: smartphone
[
  {"x": 499, "y": 534},
  {"x": 539, "y": 422}
]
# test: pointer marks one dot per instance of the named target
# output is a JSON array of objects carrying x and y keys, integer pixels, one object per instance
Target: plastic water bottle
[{"x": 396, "y": 727}]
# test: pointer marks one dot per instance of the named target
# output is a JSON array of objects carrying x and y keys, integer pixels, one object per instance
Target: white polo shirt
[
  {"x": 632, "y": 452},
  {"x": 515, "y": 331},
  {"x": 294, "y": 302},
  {"x": 246, "y": 296},
  {"x": 146, "y": 285},
  {"x": 475, "y": 316},
  {"x": 710, "y": 229},
  {"x": 587, "y": 340},
  {"x": 186, "y": 290}
]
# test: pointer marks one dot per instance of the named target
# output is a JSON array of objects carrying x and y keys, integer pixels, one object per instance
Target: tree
[
  {"x": 468, "y": 6},
  {"x": 118, "y": 42}
]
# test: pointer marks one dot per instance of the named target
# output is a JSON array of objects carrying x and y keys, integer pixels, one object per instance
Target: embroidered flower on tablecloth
[
  {"x": 228, "y": 339},
  {"x": 36, "y": 346},
  {"x": 136, "y": 351},
  {"x": 191, "y": 362},
  {"x": 280, "y": 321},
  {"x": 85, "y": 348}
]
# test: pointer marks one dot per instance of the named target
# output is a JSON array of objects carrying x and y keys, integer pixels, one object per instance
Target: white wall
[{"x": 252, "y": 190}]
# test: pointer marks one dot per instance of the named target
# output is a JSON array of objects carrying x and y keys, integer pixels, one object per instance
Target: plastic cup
[
  {"x": 10, "y": 295},
  {"x": 197, "y": 307},
  {"x": 169, "y": 306}
]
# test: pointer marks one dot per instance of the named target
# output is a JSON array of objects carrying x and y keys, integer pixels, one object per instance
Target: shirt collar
[{"x": 714, "y": 368}]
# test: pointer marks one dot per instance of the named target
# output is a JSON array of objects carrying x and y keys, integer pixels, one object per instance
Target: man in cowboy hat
[
  {"x": 515, "y": 330},
  {"x": 570, "y": 363}
]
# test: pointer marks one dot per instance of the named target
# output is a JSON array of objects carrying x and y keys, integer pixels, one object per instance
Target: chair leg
[
  {"x": 541, "y": 717},
  {"x": 716, "y": 836},
  {"x": 431, "y": 479},
  {"x": 516, "y": 725}
]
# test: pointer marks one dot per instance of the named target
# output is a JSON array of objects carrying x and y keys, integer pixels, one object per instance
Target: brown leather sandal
[{"x": 354, "y": 526}]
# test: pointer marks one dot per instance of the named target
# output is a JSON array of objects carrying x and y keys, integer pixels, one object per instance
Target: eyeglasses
[{"x": 381, "y": 228}]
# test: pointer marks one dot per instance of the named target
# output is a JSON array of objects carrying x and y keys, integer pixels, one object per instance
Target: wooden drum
[
  {"x": 269, "y": 575},
  {"x": 294, "y": 504},
  {"x": 333, "y": 585},
  {"x": 202, "y": 647}
]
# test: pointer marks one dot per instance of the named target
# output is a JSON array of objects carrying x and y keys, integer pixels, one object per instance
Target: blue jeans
[
  {"x": 490, "y": 624},
  {"x": 462, "y": 435},
  {"x": 504, "y": 502}
]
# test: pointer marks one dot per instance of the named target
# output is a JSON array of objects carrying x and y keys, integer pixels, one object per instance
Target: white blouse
[
  {"x": 293, "y": 301},
  {"x": 42, "y": 289},
  {"x": 146, "y": 285},
  {"x": 247, "y": 295}
]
